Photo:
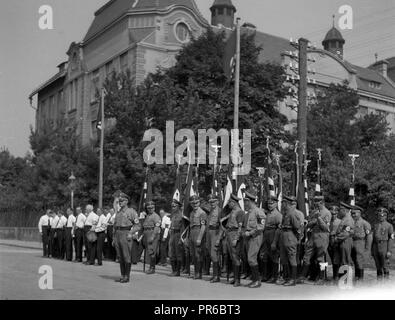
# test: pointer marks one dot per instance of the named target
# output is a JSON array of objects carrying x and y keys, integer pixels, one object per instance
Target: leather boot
[
  {"x": 207, "y": 266},
  {"x": 196, "y": 271},
  {"x": 216, "y": 273},
  {"x": 265, "y": 276},
  {"x": 178, "y": 267},
  {"x": 152, "y": 266},
  {"x": 274, "y": 277},
  {"x": 127, "y": 273},
  {"x": 256, "y": 281},
  {"x": 236, "y": 271},
  {"x": 335, "y": 268},
  {"x": 361, "y": 274},
  {"x": 303, "y": 276},
  {"x": 122, "y": 267},
  {"x": 173, "y": 268},
  {"x": 386, "y": 274},
  {"x": 292, "y": 279}
]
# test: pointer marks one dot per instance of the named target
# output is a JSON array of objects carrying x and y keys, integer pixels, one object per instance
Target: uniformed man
[
  {"x": 212, "y": 236},
  {"x": 335, "y": 221},
  {"x": 383, "y": 238},
  {"x": 126, "y": 227},
  {"x": 343, "y": 237},
  {"x": 79, "y": 234},
  {"x": 233, "y": 233},
  {"x": 90, "y": 223},
  {"x": 151, "y": 228},
  {"x": 198, "y": 222},
  {"x": 290, "y": 235},
  {"x": 206, "y": 259},
  {"x": 317, "y": 244},
  {"x": 60, "y": 233},
  {"x": 69, "y": 233},
  {"x": 253, "y": 226},
  {"x": 44, "y": 227},
  {"x": 175, "y": 244},
  {"x": 270, "y": 250},
  {"x": 362, "y": 241}
]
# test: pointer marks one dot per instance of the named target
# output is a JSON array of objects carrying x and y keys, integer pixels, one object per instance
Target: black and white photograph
[{"x": 190, "y": 150}]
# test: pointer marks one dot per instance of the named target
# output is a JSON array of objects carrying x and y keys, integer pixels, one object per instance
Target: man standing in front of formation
[
  {"x": 175, "y": 244},
  {"x": 212, "y": 236},
  {"x": 126, "y": 227}
]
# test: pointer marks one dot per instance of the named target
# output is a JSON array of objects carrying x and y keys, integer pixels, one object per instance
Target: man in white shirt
[
  {"x": 44, "y": 227},
  {"x": 69, "y": 234},
  {"x": 60, "y": 233},
  {"x": 90, "y": 224},
  {"x": 79, "y": 234},
  {"x": 110, "y": 252},
  {"x": 53, "y": 240},
  {"x": 100, "y": 230},
  {"x": 164, "y": 237}
]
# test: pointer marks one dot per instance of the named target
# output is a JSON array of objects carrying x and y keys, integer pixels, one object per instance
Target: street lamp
[{"x": 72, "y": 186}]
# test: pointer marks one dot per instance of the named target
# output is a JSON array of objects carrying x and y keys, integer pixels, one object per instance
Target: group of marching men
[{"x": 266, "y": 245}]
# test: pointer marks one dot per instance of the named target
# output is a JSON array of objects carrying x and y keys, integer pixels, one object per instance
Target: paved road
[{"x": 19, "y": 279}]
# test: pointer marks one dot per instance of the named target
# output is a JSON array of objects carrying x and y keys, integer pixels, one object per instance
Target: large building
[{"x": 145, "y": 34}]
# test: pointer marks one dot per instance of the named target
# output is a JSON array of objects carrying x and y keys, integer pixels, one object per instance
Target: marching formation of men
[{"x": 265, "y": 245}]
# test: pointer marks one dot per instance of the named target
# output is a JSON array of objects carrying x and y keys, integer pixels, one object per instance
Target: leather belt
[
  {"x": 381, "y": 241},
  {"x": 233, "y": 229},
  {"x": 148, "y": 228},
  {"x": 123, "y": 228},
  {"x": 213, "y": 228}
]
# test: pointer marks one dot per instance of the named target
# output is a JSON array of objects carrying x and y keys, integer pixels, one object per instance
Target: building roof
[
  {"x": 273, "y": 47},
  {"x": 333, "y": 34},
  {"x": 391, "y": 62},
  {"x": 115, "y": 9},
  {"x": 366, "y": 75},
  {"x": 59, "y": 75}
]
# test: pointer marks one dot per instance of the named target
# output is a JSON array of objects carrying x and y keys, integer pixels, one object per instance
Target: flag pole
[
  {"x": 101, "y": 150},
  {"x": 236, "y": 97}
]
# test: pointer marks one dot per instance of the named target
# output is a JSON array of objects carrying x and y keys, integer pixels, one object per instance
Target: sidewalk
[{"x": 21, "y": 244}]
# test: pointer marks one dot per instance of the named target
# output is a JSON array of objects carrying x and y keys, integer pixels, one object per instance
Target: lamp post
[{"x": 72, "y": 186}]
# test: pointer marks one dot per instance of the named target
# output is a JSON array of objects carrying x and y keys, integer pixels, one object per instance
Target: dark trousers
[
  {"x": 92, "y": 251},
  {"x": 101, "y": 236},
  {"x": 163, "y": 250},
  {"x": 137, "y": 251},
  {"x": 68, "y": 244},
  {"x": 86, "y": 242},
  {"x": 60, "y": 237},
  {"x": 52, "y": 243},
  {"x": 111, "y": 252},
  {"x": 45, "y": 239},
  {"x": 79, "y": 241}
]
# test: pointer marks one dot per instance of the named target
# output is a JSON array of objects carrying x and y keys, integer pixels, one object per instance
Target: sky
[{"x": 29, "y": 55}]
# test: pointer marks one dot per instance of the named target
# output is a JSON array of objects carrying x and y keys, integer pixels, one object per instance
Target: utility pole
[{"x": 101, "y": 150}]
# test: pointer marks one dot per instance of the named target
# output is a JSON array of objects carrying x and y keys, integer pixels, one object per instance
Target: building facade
[{"x": 145, "y": 34}]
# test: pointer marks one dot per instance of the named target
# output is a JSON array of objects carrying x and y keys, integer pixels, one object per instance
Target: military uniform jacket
[
  {"x": 214, "y": 218},
  {"x": 320, "y": 221},
  {"x": 127, "y": 217},
  {"x": 292, "y": 222},
  {"x": 346, "y": 228},
  {"x": 152, "y": 221},
  {"x": 254, "y": 221},
  {"x": 273, "y": 220},
  {"x": 198, "y": 218},
  {"x": 176, "y": 221},
  {"x": 362, "y": 229},
  {"x": 383, "y": 231},
  {"x": 235, "y": 219}
]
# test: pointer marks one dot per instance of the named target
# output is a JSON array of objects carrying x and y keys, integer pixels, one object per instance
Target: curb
[{"x": 19, "y": 246}]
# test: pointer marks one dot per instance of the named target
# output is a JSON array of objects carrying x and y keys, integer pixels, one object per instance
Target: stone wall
[{"x": 23, "y": 234}]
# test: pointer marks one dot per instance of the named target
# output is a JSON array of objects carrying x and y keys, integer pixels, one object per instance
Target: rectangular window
[
  {"x": 124, "y": 61},
  {"x": 220, "y": 11},
  {"x": 94, "y": 85},
  {"x": 109, "y": 68}
]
